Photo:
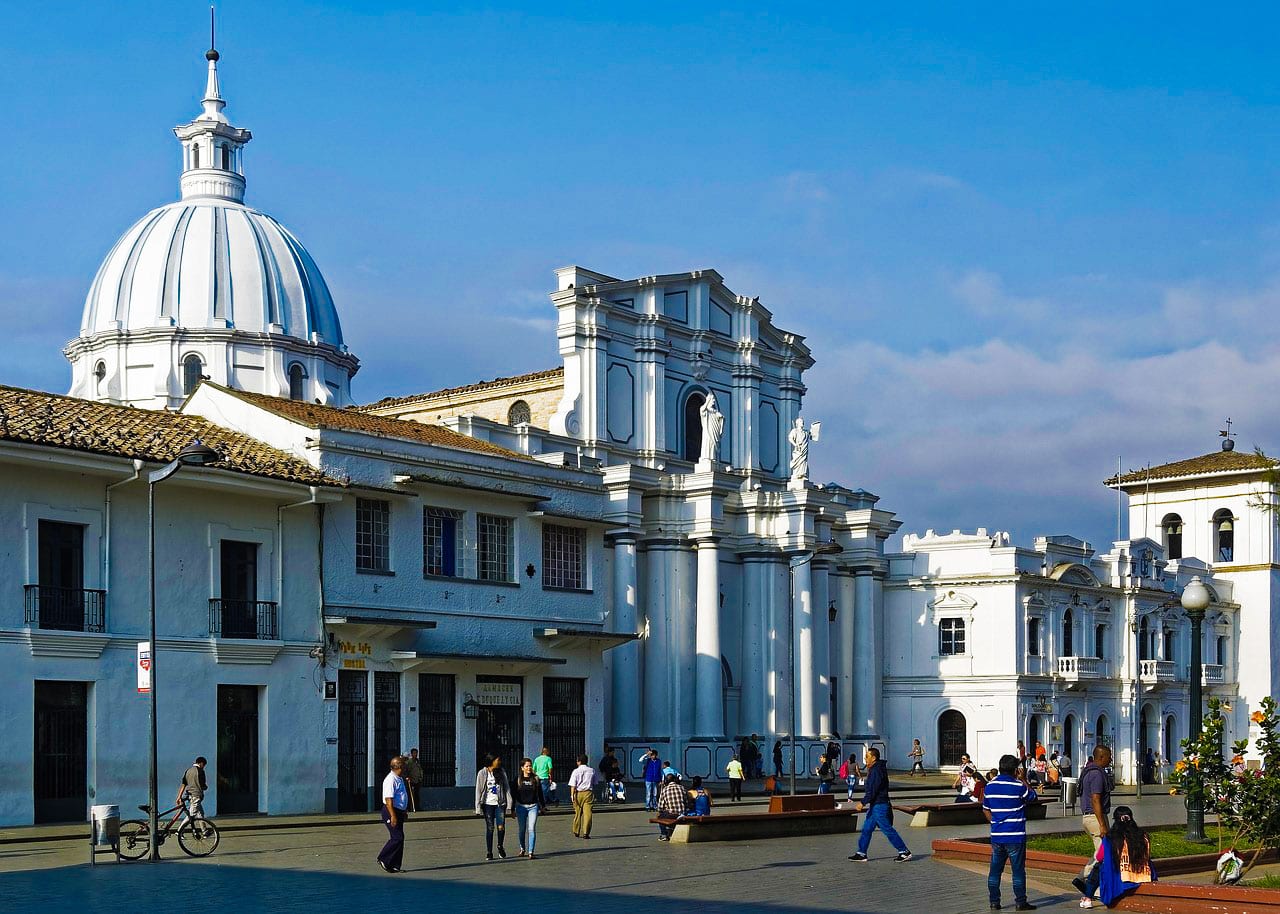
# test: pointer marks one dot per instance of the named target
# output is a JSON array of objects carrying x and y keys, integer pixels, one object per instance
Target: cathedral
[{"x": 626, "y": 549}]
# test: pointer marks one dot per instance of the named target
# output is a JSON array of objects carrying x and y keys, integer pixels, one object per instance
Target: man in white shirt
[
  {"x": 395, "y": 810},
  {"x": 581, "y": 784}
]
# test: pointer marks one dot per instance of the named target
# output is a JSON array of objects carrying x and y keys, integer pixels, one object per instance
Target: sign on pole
[{"x": 144, "y": 666}]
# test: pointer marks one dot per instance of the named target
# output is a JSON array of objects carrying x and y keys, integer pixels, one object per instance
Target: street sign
[{"x": 144, "y": 666}]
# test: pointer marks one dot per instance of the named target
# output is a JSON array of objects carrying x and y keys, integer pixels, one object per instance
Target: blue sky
[{"x": 1021, "y": 241}]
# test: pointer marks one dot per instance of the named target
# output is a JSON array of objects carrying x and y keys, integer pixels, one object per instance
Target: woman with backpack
[{"x": 850, "y": 773}]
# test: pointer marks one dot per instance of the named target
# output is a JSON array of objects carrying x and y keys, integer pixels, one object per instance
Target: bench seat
[
  {"x": 752, "y": 825},
  {"x": 925, "y": 814}
]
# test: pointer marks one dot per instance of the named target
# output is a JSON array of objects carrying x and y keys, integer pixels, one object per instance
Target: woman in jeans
[
  {"x": 527, "y": 792},
  {"x": 493, "y": 801}
]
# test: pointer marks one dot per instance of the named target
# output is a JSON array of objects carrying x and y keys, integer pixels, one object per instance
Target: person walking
[
  {"x": 878, "y": 809},
  {"x": 826, "y": 774},
  {"x": 917, "y": 758},
  {"x": 734, "y": 770},
  {"x": 1095, "y": 806},
  {"x": 777, "y": 760},
  {"x": 413, "y": 775},
  {"x": 529, "y": 802},
  {"x": 581, "y": 784},
  {"x": 1005, "y": 806},
  {"x": 849, "y": 771},
  {"x": 395, "y": 812},
  {"x": 193, "y": 787},
  {"x": 673, "y": 802},
  {"x": 493, "y": 801},
  {"x": 652, "y": 779},
  {"x": 542, "y": 770},
  {"x": 699, "y": 798}
]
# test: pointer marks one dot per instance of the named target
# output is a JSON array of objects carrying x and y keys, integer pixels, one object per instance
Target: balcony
[
  {"x": 1213, "y": 674},
  {"x": 1157, "y": 672},
  {"x": 64, "y": 609},
  {"x": 244, "y": 619},
  {"x": 1078, "y": 669}
]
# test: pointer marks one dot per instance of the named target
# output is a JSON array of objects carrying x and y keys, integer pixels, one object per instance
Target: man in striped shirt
[{"x": 1005, "y": 806}]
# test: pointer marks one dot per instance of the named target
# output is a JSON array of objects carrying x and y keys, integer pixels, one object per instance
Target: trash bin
[
  {"x": 1070, "y": 793},
  {"x": 106, "y": 825}
]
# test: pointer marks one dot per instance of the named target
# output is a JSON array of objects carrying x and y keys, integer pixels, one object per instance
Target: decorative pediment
[
  {"x": 1035, "y": 602},
  {"x": 1074, "y": 573},
  {"x": 953, "y": 604}
]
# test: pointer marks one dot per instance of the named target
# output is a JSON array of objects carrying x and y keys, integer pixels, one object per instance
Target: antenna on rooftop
[{"x": 1228, "y": 439}]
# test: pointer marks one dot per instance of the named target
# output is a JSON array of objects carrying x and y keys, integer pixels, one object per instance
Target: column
[
  {"x": 844, "y": 633},
  {"x": 627, "y": 694},
  {"x": 864, "y": 665},
  {"x": 659, "y": 666},
  {"x": 755, "y": 643},
  {"x": 821, "y": 649},
  {"x": 806, "y": 723},
  {"x": 708, "y": 671},
  {"x": 778, "y": 678},
  {"x": 877, "y": 653}
]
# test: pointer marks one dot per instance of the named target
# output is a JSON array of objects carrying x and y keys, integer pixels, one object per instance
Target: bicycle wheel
[
  {"x": 135, "y": 839},
  {"x": 198, "y": 837}
]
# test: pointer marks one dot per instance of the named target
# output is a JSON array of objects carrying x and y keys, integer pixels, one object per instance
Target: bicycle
[{"x": 197, "y": 836}]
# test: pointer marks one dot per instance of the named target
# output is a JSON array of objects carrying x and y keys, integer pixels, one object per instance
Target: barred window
[
  {"x": 494, "y": 536},
  {"x": 373, "y": 534},
  {"x": 951, "y": 637},
  {"x": 440, "y": 541},
  {"x": 562, "y": 556}
]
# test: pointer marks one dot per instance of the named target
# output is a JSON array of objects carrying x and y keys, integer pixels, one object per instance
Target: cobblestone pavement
[{"x": 622, "y": 867}]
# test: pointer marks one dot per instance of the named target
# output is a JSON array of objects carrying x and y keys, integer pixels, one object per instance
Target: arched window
[
  {"x": 1144, "y": 640},
  {"x": 1221, "y": 652},
  {"x": 226, "y": 158},
  {"x": 195, "y": 155},
  {"x": 1100, "y": 642},
  {"x": 1172, "y": 527},
  {"x": 100, "y": 379},
  {"x": 1102, "y": 735},
  {"x": 693, "y": 426},
  {"x": 952, "y": 737},
  {"x": 192, "y": 370},
  {"x": 1068, "y": 643},
  {"x": 1224, "y": 535},
  {"x": 297, "y": 382},
  {"x": 519, "y": 413}
]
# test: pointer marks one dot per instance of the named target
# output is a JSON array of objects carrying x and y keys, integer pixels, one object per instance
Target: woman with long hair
[
  {"x": 1123, "y": 861},
  {"x": 493, "y": 801},
  {"x": 527, "y": 792}
]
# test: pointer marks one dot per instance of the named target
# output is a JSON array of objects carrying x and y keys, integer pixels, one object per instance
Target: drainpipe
[
  {"x": 315, "y": 491},
  {"x": 106, "y": 526}
]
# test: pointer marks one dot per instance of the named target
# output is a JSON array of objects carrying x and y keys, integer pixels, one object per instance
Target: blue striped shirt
[{"x": 1006, "y": 799}]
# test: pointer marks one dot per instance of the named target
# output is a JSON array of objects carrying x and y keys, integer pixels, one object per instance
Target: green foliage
[{"x": 1169, "y": 841}]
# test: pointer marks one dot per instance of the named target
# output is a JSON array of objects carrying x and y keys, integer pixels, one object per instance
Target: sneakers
[
  {"x": 1086, "y": 902},
  {"x": 903, "y": 857},
  {"x": 859, "y": 858},
  {"x": 385, "y": 868},
  {"x": 995, "y": 906},
  {"x": 488, "y": 856},
  {"x": 665, "y": 838}
]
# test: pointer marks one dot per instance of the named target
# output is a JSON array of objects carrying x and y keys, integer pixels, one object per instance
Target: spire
[
  {"x": 212, "y": 101},
  {"x": 211, "y": 145}
]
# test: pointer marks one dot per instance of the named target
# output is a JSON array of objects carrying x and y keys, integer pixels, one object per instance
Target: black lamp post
[
  {"x": 195, "y": 454},
  {"x": 1195, "y": 600}
]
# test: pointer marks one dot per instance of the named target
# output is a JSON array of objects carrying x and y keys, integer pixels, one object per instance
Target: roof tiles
[
  {"x": 545, "y": 374},
  {"x": 1217, "y": 462}
]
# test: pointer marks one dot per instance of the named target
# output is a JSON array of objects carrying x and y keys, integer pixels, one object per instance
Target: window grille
[
  {"x": 562, "y": 557},
  {"x": 373, "y": 534},
  {"x": 951, "y": 637},
  {"x": 494, "y": 536},
  {"x": 440, "y": 541}
]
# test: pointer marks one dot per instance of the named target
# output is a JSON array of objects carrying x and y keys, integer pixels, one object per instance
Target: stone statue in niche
[
  {"x": 712, "y": 429},
  {"x": 799, "y": 437}
]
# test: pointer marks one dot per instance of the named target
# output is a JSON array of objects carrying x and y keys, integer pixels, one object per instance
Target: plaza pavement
[{"x": 622, "y": 868}]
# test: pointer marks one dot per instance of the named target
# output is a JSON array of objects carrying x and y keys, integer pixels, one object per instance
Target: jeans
[
  {"x": 527, "y": 825},
  {"x": 1016, "y": 854},
  {"x": 824, "y": 787},
  {"x": 392, "y": 853},
  {"x": 878, "y": 817},
  {"x": 852, "y": 783},
  {"x": 547, "y": 797},
  {"x": 495, "y": 819},
  {"x": 651, "y": 794}
]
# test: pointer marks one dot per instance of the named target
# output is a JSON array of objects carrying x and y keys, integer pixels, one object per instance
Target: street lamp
[
  {"x": 195, "y": 454},
  {"x": 797, "y": 562},
  {"x": 1195, "y": 600}
]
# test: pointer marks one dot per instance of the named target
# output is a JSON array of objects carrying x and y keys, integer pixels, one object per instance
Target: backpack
[{"x": 844, "y": 769}]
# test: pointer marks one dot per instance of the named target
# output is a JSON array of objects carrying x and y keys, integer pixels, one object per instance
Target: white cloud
[{"x": 984, "y": 293}]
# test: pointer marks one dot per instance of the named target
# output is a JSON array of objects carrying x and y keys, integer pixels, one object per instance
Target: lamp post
[
  {"x": 797, "y": 562},
  {"x": 195, "y": 454},
  {"x": 1195, "y": 600}
]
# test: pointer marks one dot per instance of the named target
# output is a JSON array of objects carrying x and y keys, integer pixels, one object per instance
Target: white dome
[{"x": 211, "y": 263}]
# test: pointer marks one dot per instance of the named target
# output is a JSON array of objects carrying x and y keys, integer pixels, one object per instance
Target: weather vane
[{"x": 1228, "y": 440}]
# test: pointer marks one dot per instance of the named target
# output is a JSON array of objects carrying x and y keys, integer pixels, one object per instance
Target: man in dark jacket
[
  {"x": 652, "y": 778},
  {"x": 878, "y": 809}
]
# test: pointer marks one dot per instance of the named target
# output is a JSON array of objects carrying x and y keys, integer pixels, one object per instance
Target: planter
[
  {"x": 1180, "y": 898},
  {"x": 978, "y": 850}
]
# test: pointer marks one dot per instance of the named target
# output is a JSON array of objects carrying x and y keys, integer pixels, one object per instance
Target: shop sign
[
  {"x": 144, "y": 666},
  {"x": 499, "y": 694}
]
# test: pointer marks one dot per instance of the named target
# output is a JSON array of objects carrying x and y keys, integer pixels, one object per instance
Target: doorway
[
  {"x": 239, "y": 590},
  {"x": 500, "y": 729},
  {"x": 952, "y": 738},
  {"x": 563, "y": 720},
  {"x": 237, "y": 771},
  {"x": 61, "y": 751},
  {"x": 1069, "y": 742},
  {"x": 353, "y": 741},
  {"x": 386, "y": 721}
]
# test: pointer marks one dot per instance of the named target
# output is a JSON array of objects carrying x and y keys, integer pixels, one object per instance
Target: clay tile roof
[
  {"x": 546, "y": 374},
  {"x": 53, "y": 420},
  {"x": 1217, "y": 462},
  {"x": 313, "y": 415}
]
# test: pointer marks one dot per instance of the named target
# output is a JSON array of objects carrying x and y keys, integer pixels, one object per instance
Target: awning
[
  {"x": 368, "y": 625},
  {"x": 583, "y": 637},
  {"x": 434, "y": 661}
]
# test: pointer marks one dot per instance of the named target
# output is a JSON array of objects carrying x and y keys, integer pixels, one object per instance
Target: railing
[
  {"x": 1080, "y": 668},
  {"x": 1213, "y": 674},
  {"x": 1157, "y": 670},
  {"x": 243, "y": 619},
  {"x": 65, "y": 609}
]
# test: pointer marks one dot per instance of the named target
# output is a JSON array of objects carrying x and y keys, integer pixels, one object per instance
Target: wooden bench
[
  {"x": 754, "y": 825},
  {"x": 967, "y": 813},
  {"x": 802, "y": 802}
]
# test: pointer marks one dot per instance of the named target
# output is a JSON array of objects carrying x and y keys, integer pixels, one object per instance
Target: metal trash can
[
  {"x": 106, "y": 826},
  {"x": 1070, "y": 793}
]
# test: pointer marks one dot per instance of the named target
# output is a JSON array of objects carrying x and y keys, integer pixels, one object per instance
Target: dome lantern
[{"x": 212, "y": 161}]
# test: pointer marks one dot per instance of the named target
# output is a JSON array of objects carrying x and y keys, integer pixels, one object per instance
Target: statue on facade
[
  {"x": 712, "y": 429},
  {"x": 799, "y": 437}
]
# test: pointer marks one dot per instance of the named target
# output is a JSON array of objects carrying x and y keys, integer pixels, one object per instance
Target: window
[
  {"x": 1172, "y": 527},
  {"x": 192, "y": 372},
  {"x": 1144, "y": 640},
  {"x": 195, "y": 155},
  {"x": 1033, "y": 637},
  {"x": 519, "y": 413},
  {"x": 1224, "y": 536},
  {"x": 440, "y": 541},
  {"x": 99, "y": 379},
  {"x": 1100, "y": 642},
  {"x": 1222, "y": 649},
  {"x": 1168, "y": 644},
  {"x": 693, "y": 426},
  {"x": 494, "y": 535},
  {"x": 373, "y": 535},
  {"x": 562, "y": 557},
  {"x": 951, "y": 637},
  {"x": 1068, "y": 642},
  {"x": 297, "y": 382},
  {"x": 60, "y": 601},
  {"x": 226, "y": 158}
]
